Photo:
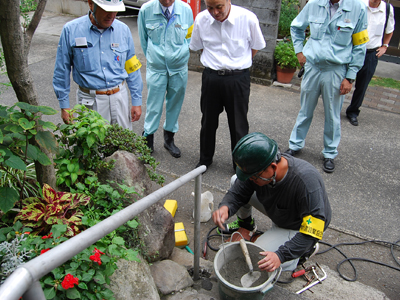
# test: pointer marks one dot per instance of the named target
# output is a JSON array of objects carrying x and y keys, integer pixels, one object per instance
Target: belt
[
  {"x": 372, "y": 50},
  {"x": 226, "y": 72},
  {"x": 106, "y": 92}
]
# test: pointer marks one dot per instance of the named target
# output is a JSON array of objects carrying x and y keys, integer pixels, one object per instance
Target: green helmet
[{"x": 253, "y": 154}]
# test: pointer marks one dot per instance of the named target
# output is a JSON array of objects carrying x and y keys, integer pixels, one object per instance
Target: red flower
[
  {"x": 44, "y": 251},
  {"x": 47, "y": 236},
  {"x": 96, "y": 258},
  {"x": 69, "y": 281},
  {"x": 97, "y": 251}
]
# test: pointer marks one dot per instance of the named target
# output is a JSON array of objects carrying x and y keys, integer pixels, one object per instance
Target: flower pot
[{"x": 284, "y": 75}]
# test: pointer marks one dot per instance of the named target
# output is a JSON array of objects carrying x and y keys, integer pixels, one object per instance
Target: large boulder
[
  {"x": 170, "y": 277},
  {"x": 128, "y": 170},
  {"x": 157, "y": 232},
  {"x": 133, "y": 281}
]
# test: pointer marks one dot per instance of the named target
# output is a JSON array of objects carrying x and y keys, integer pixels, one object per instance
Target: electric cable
[{"x": 350, "y": 259}]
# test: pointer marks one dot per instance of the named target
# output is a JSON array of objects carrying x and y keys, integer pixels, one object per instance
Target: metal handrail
[{"x": 24, "y": 280}]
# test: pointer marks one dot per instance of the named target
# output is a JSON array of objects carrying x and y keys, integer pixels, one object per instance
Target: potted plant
[{"x": 286, "y": 61}]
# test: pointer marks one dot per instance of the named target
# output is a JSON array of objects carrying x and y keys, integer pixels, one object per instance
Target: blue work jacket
[
  {"x": 99, "y": 64},
  {"x": 340, "y": 40},
  {"x": 165, "y": 44}
]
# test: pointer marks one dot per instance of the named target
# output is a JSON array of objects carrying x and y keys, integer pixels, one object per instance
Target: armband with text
[
  {"x": 360, "y": 38},
  {"x": 312, "y": 226},
  {"x": 132, "y": 64},
  {"x": 189, "y": 33}
]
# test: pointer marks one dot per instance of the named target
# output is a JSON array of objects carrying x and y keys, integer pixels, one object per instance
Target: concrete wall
[
  {"x": 72, "y": 7},
  {"x": 267, "y": 12}
]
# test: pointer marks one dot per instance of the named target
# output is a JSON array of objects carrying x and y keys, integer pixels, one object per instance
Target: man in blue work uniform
[
  {"x": 332, "y": 56},
  {"x": 101, "y": 54},
  {"x": 164, "y": 30}
]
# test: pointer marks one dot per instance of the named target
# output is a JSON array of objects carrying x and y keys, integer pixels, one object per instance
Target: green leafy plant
[
  {"x": 285, "y": 56},
  {"x": 10, "y": 177},
  {"x": 20, "y": 131},
  {"x": 40, "y": 213},
  {"x": 85, "y": 276},
  {"x": 289, "y": 11}
]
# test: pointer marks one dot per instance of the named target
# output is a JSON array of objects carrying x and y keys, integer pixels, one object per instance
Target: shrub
[
  {"x": 285, "y": 56},
  {"x": 289, "y": 11}
]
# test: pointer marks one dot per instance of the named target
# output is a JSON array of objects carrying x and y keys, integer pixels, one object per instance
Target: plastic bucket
[{"x": 230, "y": 266}]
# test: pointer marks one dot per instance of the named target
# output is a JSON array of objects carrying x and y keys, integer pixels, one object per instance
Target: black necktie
[{"x": 167, "y": 14}]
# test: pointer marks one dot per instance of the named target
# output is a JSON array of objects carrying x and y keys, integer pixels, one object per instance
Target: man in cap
[
  {"x": 164, "y": 29},
  {"x": 288, "y": 190},
  {"x": 99, "y": 49}
]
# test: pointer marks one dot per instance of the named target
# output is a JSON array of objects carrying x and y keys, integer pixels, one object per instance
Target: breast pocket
[
  {"x": 83, "y": 58},
  {"x": 120, "y": 54},
  {"x": 238, "y": 47},
  {"x": 180, "y": 32},
  {"x": 344, "y": 33},
  {"x": 155, "y": 31},
  {"x": 317, "y": 27}
]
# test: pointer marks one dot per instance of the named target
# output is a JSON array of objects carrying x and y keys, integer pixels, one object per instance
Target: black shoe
[
  {"x": 353, "y": 120},
  {"x": 169, "y": 144},
  {"x": 292, "y": 152},
  {"x": 230, "y": 228},
  {"x": 149, "y": 141},
  {"x": 329, "y": 165}
]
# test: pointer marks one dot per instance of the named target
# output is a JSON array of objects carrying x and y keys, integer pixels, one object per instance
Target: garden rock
[
  {"x": 188, "y": 294},
  {"x": 128, "y": 170},
  {"x": 170, "y": 277},
  {"x": 156, "y": 231},
  {"x": 133, "y": 281},
  {"x": 184, "y": 258}
]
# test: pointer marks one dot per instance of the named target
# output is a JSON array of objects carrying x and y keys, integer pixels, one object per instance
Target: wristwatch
[
  {"x": 350, "y": 80},
  {"x": 385, "y": 45}
]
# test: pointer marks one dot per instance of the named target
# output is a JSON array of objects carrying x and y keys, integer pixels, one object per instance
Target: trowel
[{"x": 249, "y": 278}]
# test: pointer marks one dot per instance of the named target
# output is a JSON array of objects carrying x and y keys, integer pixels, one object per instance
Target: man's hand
[
  {"x": 270, "y": 262},
  {"x": 220, "y": 216},
  {"x": 345, "y": 87},
  {"x": 65, "y": 115},
  {"x": 380, "y": 51},
  {"x": 136, "y": 112},
  {"x": 301, "y": 58}
]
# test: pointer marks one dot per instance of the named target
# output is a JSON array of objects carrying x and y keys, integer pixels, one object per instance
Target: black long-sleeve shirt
[{"x": 299, "y": 194}]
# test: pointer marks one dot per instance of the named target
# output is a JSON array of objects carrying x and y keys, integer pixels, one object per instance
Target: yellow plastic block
[
  {"x": 171, "y": 206},
  {"x": 180, "y": 235}
]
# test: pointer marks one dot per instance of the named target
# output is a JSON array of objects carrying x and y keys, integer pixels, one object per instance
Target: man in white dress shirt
[
  {"x": 229, "y": 36},
  {"x": 380, "y": 31}
]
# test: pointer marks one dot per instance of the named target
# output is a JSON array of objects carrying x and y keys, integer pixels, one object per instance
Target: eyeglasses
[{"x": 262, "y": 178}]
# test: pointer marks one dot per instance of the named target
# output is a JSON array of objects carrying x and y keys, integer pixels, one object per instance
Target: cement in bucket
[{"x": 230, "y": 266}]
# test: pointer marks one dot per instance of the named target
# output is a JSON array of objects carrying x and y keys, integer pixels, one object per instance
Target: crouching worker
[{"x": 288, "y": 190}]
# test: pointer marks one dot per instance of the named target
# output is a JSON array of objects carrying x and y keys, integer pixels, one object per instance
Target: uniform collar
[{"x": 177, "y": 8}]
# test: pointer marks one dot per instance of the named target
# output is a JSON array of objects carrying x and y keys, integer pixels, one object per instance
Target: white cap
[{"x": 111, "y": 5}]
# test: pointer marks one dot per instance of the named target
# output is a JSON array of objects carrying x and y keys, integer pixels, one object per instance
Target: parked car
[{"x": 135, "y": 4}]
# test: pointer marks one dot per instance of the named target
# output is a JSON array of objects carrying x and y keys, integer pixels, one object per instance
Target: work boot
[
  {"x": 149, "y": 141},
  {"x": 169, "y": 144},
  {"x": 230, "y": 228}
]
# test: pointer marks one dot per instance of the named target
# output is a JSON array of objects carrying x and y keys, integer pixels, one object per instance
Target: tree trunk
[{"x": 16, "y": 42}]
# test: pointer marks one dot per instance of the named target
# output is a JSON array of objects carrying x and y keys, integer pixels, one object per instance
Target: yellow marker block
[
  {"x": 180, "y": 235},
  {"x": 171, "y": 206}
]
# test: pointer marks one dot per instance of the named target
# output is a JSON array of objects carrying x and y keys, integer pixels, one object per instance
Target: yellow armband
[
  {"x": 132, "y": 64},
  {"x": 312, "y": 226},
  {"x": 189, "y": 33},
  {"x": 360, "y": 38}
]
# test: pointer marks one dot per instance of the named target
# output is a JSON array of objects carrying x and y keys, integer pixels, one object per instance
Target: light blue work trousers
[
  {"x": 324, "y": 80},
  {"x": 160, "y": 86},
  {"x": 274, "y": 237}
]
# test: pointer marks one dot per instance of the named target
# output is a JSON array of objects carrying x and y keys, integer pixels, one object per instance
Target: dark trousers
[
  {"x": 363, "y": 78},
  {"x": 229, "y": 92}
]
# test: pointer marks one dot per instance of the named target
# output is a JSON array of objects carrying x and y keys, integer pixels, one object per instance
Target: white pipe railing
[{"x": 24, "y": 281}]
